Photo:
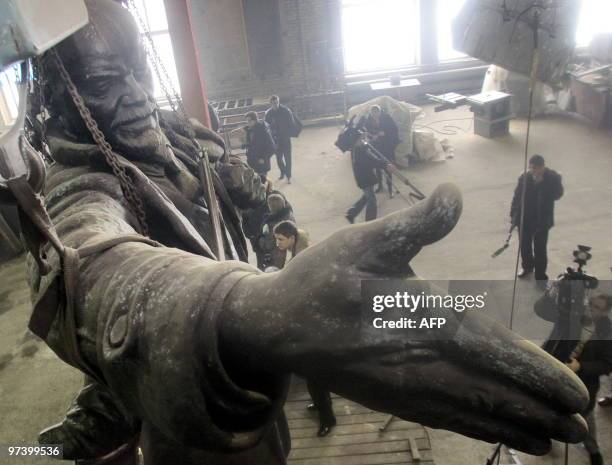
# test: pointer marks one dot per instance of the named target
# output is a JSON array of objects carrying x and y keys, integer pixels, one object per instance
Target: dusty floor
[{"x": 35, "y": 388}]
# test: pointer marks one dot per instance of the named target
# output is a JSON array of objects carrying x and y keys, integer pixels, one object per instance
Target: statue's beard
[
  {"x": 138, "y": 141},
  {"x": 136, "y": 133}
]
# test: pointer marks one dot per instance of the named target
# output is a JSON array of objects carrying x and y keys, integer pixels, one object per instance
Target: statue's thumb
[{"x": 391, "y": 242}]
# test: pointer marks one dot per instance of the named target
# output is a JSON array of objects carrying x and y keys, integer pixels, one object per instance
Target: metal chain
[
  {"x": 179, "y": 110},
  {"x": 40, "y": 82},
  {"x": 127, "y": 186},
  {"x": 160, "y": 70}
]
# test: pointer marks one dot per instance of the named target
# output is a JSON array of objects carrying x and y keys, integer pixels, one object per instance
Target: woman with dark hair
[{"x": 290, "y": 238}]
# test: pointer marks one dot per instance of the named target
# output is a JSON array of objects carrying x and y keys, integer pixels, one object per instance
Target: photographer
[
  {"x": 384, "y": 135},
  {"x": 365, "y": 168},
  {"x": 591, "y": 359}
]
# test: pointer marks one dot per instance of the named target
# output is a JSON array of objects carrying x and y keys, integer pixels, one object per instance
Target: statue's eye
[{"x": 99, "y": 84}]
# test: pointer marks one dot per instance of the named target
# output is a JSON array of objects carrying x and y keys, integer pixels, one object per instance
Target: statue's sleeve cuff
[
  {"x": 160, "y": 353},
  {"x": 244, "y": 414}
]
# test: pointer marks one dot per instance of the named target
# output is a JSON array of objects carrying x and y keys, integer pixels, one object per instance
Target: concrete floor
[{"x": 36, "y": 388}]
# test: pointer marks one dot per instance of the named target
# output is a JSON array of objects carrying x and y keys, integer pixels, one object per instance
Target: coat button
[{"x": 119, "y": 331}]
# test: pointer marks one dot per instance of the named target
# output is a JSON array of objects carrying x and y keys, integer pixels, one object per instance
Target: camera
[
  {"x": 581, "y": 257},
  {"x": 564, "y": 305},
  {"x": 348, "y": 137}
]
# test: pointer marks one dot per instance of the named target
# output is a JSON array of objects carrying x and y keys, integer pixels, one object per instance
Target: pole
[{"x": 187, "y": 57}]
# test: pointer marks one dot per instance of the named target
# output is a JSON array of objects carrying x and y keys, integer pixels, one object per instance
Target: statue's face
[{"x": 108, "y": 64}]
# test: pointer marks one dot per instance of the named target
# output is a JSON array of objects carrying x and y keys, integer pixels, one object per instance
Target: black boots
[
  {"x": 325, "y": 428},
  {"x": 596, "y": 459}
]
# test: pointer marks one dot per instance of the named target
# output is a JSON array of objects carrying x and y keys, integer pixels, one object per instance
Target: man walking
[
  {"x": 283, "y": 126},
  {"x": 543, "y": 188}
]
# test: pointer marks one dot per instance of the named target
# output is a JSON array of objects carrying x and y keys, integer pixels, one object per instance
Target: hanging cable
[
  {"x": 534, "y": 74},
  {"x": 535, "y": 60}
]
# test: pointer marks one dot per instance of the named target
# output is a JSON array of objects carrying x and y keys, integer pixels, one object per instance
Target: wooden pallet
[{"x": 356, "y": 440}]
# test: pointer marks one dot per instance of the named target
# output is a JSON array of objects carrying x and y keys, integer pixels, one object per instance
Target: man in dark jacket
[
  {"x": 282, "y": 123},
  {"x": 384, "y": 136},
  {"x": 592, "y": 359},
  {"x": 364, "y": 169},
  {"x": 543, "y": 188},
  {"x": 260, "y": 145}
]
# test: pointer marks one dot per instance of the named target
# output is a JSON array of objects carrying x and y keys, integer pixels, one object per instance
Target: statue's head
[{"x": 107, "y": 62}]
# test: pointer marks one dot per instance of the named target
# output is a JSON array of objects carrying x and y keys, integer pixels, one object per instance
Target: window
[
  {"x": 153, "y": 14},
  {"x": 380, "y": 34},
  {"x": 9, "y": 98},
  {"x": 446, "y": 11},
  {"x": 594, "y": 19}
]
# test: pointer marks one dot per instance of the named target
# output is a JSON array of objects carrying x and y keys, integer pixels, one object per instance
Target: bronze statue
[{"x": 190, "y": 357}]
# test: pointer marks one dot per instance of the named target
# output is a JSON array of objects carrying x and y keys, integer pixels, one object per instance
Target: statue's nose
[{"x": 135, "y": 94}]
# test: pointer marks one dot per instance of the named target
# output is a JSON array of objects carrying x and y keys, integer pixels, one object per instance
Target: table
[{"x": 399, "y": 90}]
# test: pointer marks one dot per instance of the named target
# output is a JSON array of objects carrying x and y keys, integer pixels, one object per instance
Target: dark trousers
[
  {"x": 323, "y": 403},
  {"x": 533, "y": 250},
  {"x": 283, "y": 157},
  {"x": 367, "y": 200},
  {"x": 388, "y": 178}
]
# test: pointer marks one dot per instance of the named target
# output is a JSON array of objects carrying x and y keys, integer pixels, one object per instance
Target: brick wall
[{"x": 309, "y": 28}]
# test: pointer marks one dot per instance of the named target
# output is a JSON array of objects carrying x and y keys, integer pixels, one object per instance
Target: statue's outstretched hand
[{"x": 472, "y": 376}]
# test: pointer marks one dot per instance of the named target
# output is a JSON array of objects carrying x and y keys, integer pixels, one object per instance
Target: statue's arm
[{"x": 147, "y": 321}]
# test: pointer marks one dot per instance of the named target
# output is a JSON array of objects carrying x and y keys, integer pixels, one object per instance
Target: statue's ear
[
  {"x": 58, "y": 101},
  {"x": 55, "y": 90}
]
